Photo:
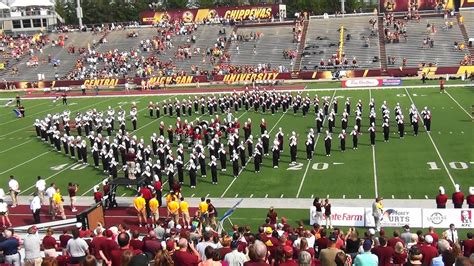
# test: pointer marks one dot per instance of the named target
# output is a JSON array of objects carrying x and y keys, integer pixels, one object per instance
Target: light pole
[
  {"x": 343, "y": 9},
  {"x": 79, "y": 13}
]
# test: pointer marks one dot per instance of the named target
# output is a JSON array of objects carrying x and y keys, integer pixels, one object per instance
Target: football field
[{"x": 409, "y": 168}]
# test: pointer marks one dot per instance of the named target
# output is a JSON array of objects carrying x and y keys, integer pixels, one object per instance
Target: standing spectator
[
  {"x": 32, "y": 245},
  {"x": 377, "y": 212},
  {"x": 327, "y": 213},
  {"x": 433, "y": 234},
  {"x": 395, "y": 239},
  {"x": 184, "y": 210},
  {"x": 406, "y": 236},
  {"x": 72, "y": 191},
  {"x": 352, "y": 242},
  {"x": 458, "y": 197},
  {"x": 212, "y": 214},
  {"x": 40, "y": 188},
  {"x": 4, "y": 213},
  {"x": 106, "y": 247},
  {"x": 183, "y": 257},
  {"x": 64, "y": 238},
  {"x": 123, "y": 240},
  {"x": 328, "y": 255},
  {"x": 414, "y": 256},
  {"x": 468, "y": 245},
  {"x": 35, "y": 207},
  {"x": 49, "y": 244},
  {"x": 258, "y": 253},
  {"x": 208, "y": 241},
  {"x": 366, "y": 258},
  {"x": 452, "y": 234},
  {"x": 139, "y": 204},
  {"x": 14, "y": 190},
  {"x": 235, "y": 257},
  {"x": 399, "y": 255},
  {"x": 441, "y": 199},
  {"x": 58, "y": 202},
  {"x": 427, "y": 250},
  {"x": 77, "y": 247},
  {"x": 383, "y": 252},
  {"x": 443, "y": 246},
  {"x": 10, "y": 248}
]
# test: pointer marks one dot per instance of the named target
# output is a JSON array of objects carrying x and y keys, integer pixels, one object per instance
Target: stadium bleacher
[{"x": 323, "y": 36}]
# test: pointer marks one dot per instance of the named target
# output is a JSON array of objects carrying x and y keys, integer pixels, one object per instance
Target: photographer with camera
[{"x": 72, "y": 190}]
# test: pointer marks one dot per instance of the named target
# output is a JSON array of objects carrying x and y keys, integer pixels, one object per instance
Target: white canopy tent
[{"x": 27, "y": 3}]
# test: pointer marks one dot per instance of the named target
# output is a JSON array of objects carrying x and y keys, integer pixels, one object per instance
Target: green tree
[
  {"x": 176, "y": 4},
  {"x": 207, "y": 3}
]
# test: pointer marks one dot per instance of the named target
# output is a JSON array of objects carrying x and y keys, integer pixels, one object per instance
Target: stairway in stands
[
  {"x": 383, "y": 52},
  {"x": 297, "y": 63},
  {"x": 465, "y": 35}
]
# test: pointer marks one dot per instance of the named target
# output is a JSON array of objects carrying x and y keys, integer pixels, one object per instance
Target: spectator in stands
[
  {"x": 406, "y": 235},
  {"x": 183, "y": 256},
  {"x": 32, "y": 246},
  {"x": 468, "y": 245},
  {"x": 235, "y": 257},
  {"x": 257, "y": 254},
  {"x": 399, "y": 255},
  {"x": 77, "y": 247},
  {"x": 414, "y": 256},
  {"x": 328, "y": 255},
  {"x": 123, "y": 240},
  {"x": 366, "y": 258},
  {"x": 383, "y": 252},
  {"x": 10, "y": 247},
  {"x": 452, "y": 234},
  {"x": 49, "y": 244}
]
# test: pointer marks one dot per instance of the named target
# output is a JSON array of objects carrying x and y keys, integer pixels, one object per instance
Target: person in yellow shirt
[
  {"x": 58, "y": 205},
  {"x": 140, "y": 205},
  {"x": 184, "y": 209},
  {"x": 169, "y": 198},
  {"x": 173, "y": 210},
  {"x": 154, "y": 208},
  {"x": 203, "y": 210}
]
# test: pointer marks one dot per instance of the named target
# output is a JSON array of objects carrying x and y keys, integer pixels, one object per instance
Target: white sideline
[
  {"x": 315, "y": 145},
  {"x": 373, "y": 159},
  {"x": 434, "y": 145},
  {"x": 460, "y": 106}
]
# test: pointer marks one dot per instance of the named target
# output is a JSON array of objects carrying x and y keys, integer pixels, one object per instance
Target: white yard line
[
  {"x": 49, "y": 177},
  {"x": 434, "y": 145},
  {"x": 243, "y": 167},
  {"x": 25, "y": 162},
  {"x": 315, "y": 146},
  {"x": 21, "y": 144},
  {"x": 460, "y": 106},
  {"x": 375, "y": 173},
  {"x": 153, "y": 119},
  {"x": 29, "y": 107}
]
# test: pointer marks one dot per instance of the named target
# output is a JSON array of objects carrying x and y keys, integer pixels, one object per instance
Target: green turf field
[{"x": 413, "y": 167}]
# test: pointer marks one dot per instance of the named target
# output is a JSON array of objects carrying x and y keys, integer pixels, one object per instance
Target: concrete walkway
[{"x": 263, "y": 203}]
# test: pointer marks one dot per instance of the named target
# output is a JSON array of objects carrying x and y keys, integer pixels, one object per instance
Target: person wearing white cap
[
  {"x": 458, "y": 197},
  {"x": 441, "y": 199},
  {"x": 470, "y": 198}
]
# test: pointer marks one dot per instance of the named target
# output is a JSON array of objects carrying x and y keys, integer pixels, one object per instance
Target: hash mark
[
  {"x": 266, "y": 195},
  {"x": 327, "y": 196},
  {"x": 409, "y": 196},
  {"x": 251, "y": 195},
  {"x": 426, "y": 196},
  {"x": 207, "y": 196},
  {"x": 343, "y": 196},
  {"x": 281, "y": 196},
  {"x": 192, "y": 195},
  {"x": 360, "y": 196},
  {"x": 393, "y": 197},
  {"x": 312, "y": 196},
  {"x": 236, "y": 195}
]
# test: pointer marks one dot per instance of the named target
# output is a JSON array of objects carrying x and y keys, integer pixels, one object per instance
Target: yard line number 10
[{"x": 453, "y": 165}]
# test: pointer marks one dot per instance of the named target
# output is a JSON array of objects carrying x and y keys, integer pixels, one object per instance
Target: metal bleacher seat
[{"x": 323, "y": 36}]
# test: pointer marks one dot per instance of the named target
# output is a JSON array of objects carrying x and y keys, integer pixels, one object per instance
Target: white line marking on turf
[
  {"x": 236, "y": 195},
  {"x": 375, "y": 173},
  {"x": 409, "y": 196},
  {"x": 460, "y": 106},
  {"x": 192, "y": 195},
  {"x": 251, "y": 196},
  {"x": 450, "y": 132},
  {"x": 393, "y": 197},
  {"x": 281, "y": 196},
  {"x": 49, "y": 177},
  {"x": 434, "y": 145},
  {"x": 25, "y": 162},
  {"x": 312, "y": 196},
  {"x": 207, "y": 196},
  {"x": 315, "y": 146},
  {"x": 16, "y": 146},
  {"x": 243, "y": 167},
  {"x": 343, "y": 196},
  {"x": 327, "y": 196},
  {"x": 123, "y": 194},
  {"x": 90, "y": 189},
  {"x": 266, "y": 195},
  {"x": 426, "y": 196},
  {"x": 360, "y": 196}
]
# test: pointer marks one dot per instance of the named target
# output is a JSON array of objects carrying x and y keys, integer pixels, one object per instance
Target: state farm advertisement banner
[
  {"x": 442, "y": 218},
  {"x": 343, "y": 216},
  {"x": 403, "y": 5},
  {"x": 198, "y": 15},
  {"x": 396, "y": 217}
]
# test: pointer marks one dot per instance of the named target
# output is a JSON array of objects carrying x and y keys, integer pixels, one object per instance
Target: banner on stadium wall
[
  {"x": 396, "y": 217},
  {"x": 370, "y": 82},
  {"x": 403, "y": 5},
  {"x": 342, "y": 216},
  {"x": 198, "y": 15},
  {"x": 442, "y": 218},
  {"x": 250, "y": 77}
]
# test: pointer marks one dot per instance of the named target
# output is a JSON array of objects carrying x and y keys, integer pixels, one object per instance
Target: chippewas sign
[
  {"x": 102, "y": 82},
  {"x": 250, "y": 77},
  {"x": 198, "y": 15}
]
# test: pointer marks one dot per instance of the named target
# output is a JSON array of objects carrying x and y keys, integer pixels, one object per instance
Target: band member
[
  {"x": 223, "y": 158},
  {"x": 150, "y": 108},
  {"x": 257, "y": 158},
  {"x": 355, "y": 137},
  {"x": 202, "y": 164},
  {"x": 426, "y": 114},
  {"x": 293, "y": 147},
  {"x": 275, "y": 154},
  {"x": 192, "y": 173},
  {"x": 386, "y": 130},
  {"x": 309, "y": 148},
  {"x": 64, "y": 96},
  {"x": 401, "y": 126},
  {"x": 180, "y": 168},
  {"x": 213, "y": 165},
  {"x": 342, "y": 138},
  {"x": 441, "y": 85},
  {"x": 441, "y": 199},
  {"x": 235, "y": 164},
  {"x": 265, "y": 142},
  {"x": 415, "y": 125},
  {"x": 133, "y": 117},
  {"x": 170, "y": 174},
  {"x": 372, "y": 134},
  {"x": 328, "y": 143}
]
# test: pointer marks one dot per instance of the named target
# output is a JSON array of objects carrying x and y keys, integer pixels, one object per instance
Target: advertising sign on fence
[
  {"x": 344, "y": 216},
  {"x": 396, "y": 217},
  {"x": 442, "y": 218}
]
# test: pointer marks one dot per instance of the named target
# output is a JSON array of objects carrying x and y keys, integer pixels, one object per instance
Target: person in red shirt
[
  {"x": 434, "y": 235},
  {"x": 106, "y": 247},
  {"x": 383, "y": 252},
  {"x": 427, "y": 250},
  {"x": 468, "y": 245},
  {"x": 441, "y": 199},
  {"x": 322, "y": 242},
  {"x": 97, "y": 194},
  {"x": 470, "y": 198},
  {"x": 64, "y": 238},
  {"x": 147, "y": 195},
  {"x": 396, "y": 238},
  {"x": 272, "y": 214},
  {"x": 49, "y": 244},
  {"x": 96, "y": 242},
  {"x": 458, "y": 197},
  {"x": 183, "y": 256},
  {"x": 123, "y": 240},
  {"x": 136, "y": 243},
  {"x": 288, "y": 257}
]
